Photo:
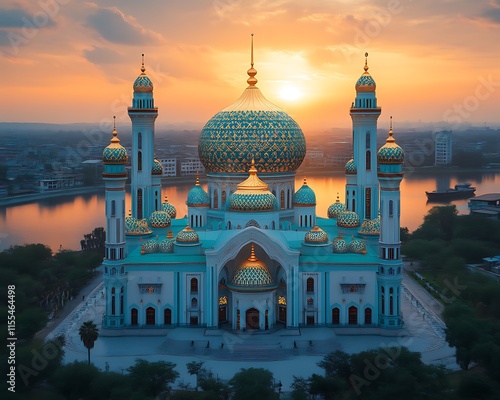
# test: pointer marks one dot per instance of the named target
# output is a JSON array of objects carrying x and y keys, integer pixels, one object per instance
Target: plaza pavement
[{"x": 284, "y": 352}]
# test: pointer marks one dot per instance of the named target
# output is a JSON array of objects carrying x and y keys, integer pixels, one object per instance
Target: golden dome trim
[{"x": 253, "y": 184}]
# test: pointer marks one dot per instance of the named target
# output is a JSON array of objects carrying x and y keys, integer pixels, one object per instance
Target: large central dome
[{"x": 251, "y": 128}]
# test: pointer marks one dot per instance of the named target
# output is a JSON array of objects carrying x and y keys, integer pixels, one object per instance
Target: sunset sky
[{"x": 73, "y": 61}]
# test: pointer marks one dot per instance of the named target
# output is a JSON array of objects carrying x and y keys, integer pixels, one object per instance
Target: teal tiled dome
[
  {"x": 339, "y": 245},
  {"x": 316, "y": 235},
  {"x": 143, "y": 83},
  {"x": 252, "y": 274},
  {"x": 169, "y": 208},
  {"x": 336, "y": 209},
  {"x": 197, "y": 197},
  {"x": 159, "y": 219},
  {"x": 136, "y": 227},
  {"x": 365, "y": 82},
  {"x": 348, "y": 219},
  {"x": 370, "y": 227},
  {"x": 357, "y": 246},
  {"x": 157, "y": 168},
  {"x": 390, "y": 152},
  {"x": 187, "y": 235},
  {"x": 115, "y": 153},
  {"x": 305, "y": 196},
  {"x": 350, "y": 167},
  {"x": 149, "y": 246},
  {"x": 166, "y": 246}
]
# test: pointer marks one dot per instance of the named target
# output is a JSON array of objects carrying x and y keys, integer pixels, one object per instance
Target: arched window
[
  {"x": 368, "y": 160},
  {"x": 139, "y": 203},
  {"x": 150, "y": 316},
  {"x": 310, "y": 285},
  {"x": 336, "y": 316},
  {"x": 121, "y": 300},
  {"x": 391, "y": 301},
  {"x": 368, "y": 316},
  {"x": 216, "y": 199},
  {"x": 353, "y": 315},
  {"x": 282, "y": 199},
  {"x": 223, "y": 198},
  {"x": 139, "y": 161},
  {"x": 134, "y": 316},
  {"x": 194, "y": 302},
  {"x": 194, "y": 285},
  {"x": 391, "y": 208},
  {"x": 368, "y": 203},
  {"x": 353, "y": 204},
  {"x": 382, "y": 300},
  {"x": 139, "y": 141},
  {"x": 167, "y": 316},
  {"x": 113, "y": 308},
  {"x": 310, "y": 302},
  {"x": 113, "y": 208}
]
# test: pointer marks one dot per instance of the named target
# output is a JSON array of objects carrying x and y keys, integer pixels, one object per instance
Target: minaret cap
[{"x": 252, "y": 81}]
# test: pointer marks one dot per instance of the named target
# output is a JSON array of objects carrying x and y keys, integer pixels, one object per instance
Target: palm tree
[{"x": 88, "y": 334}]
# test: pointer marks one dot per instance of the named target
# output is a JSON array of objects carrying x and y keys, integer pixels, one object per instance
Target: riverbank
[{"x": 33, "y": 197}]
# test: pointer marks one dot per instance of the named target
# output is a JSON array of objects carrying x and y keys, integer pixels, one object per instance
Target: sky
[{"x": 65, "y": 61}]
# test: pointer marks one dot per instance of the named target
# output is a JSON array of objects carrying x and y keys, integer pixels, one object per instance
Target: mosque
[{"x": 252, "y": 254}]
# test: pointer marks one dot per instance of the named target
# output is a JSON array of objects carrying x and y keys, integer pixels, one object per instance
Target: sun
[{"x": 290, "y": 93}]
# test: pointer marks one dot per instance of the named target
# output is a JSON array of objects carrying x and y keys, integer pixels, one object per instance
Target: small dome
[
  {"x": 305, "y": 196},
  {"x": 187, "y": 235},
  {"x": 115, "y": 153},
  {"x": 197, "y": 197},
  {"x": 348, "y": 219},
  {"x": 336, "y": 209},
  {"x": 390, "y": 152},
  {"x": 169, "y": 208},
  {"x": 150, "y": 246},
  {"x": 166, "y": 246},
  {"x": 370, "y": 227},
  {"x": 339, "y": 245},
  {"x": 357, "y": 246},
  {"x": 350, "y": 167},
  {"x": 316, "y": 235},
  {"x": 252, "y": 274},
  {"x": 252, "y": 194},
  {"x": 159, "y": 219},
  {"x": 143, "y": 84},
  {"x": 157, "y": 168},
  {"x": 365, "y": 82},
  {"x": 136, "y": 227}
]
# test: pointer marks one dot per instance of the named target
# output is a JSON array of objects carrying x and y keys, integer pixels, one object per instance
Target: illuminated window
[
  {"x": 282, "y": 300},
  {"x": 310, "y": 285}
]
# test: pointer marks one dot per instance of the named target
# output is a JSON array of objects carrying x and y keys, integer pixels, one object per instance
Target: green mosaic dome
[
  {"x": 252, "y": 274},
  {"x": 169, "y": 208},
  {"x": 390, "y": 152},
  {"x": 157, "y": 168},
  {"x": 252, "y": 194},
  {"x": 348, "y": 219},
  {"x": 159, "y": 219},
  {"x": 143, "y": 84},
  {"x": 339, "y": 245},
  {"x": 150, "y": 246},
  {"x": 136, "y": 227},
  {"x": 254, "y": 128},
  {"x": 350, "y": 167},
  {"x": 305, "y": 196},
  {"x": 357, "y": 246},
  {"x": 166, "y": 246},
  {"x": 370, "y": 227},
  {"x": 336, "y": 209},
  {"x": 114, "y": 153},
  {"x": 197, "y": 197},
  {"x": 187, "y": 235},
  {"x": 316, "y": 235}
]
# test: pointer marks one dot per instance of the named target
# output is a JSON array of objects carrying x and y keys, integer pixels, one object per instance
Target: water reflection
[{"x": 63, "y": 221}]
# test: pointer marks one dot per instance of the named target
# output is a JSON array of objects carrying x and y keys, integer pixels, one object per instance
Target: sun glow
[{"x": 290, "y": 93}]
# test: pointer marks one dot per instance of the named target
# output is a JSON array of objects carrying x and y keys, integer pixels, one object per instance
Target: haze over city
[{"x": 69, "y": 61}]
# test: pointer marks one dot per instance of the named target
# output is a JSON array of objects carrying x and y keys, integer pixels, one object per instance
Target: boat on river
[{"x": 460, "y": 191}]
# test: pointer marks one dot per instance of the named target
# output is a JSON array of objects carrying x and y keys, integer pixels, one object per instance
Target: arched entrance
[
  {"x": 252, "y": 318},
  {"x": 150, "y": 316}
]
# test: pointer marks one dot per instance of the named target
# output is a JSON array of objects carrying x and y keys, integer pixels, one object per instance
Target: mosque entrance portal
[{"x": 252, "y": 318}]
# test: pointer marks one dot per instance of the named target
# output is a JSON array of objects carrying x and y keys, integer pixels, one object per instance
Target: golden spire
[
  {"x": 252, "y": 71},
  {"x": 366, "y": 62},
  {"x": 197, "y": 183},
  {"x": 390, "y": 139},
  {"x": 338, "y": 199},
  {"x": 166, "y": 199},
  {"x": 143, "y": 69},
  {"x": 252, "y": 257},
  {"x": 305, "y": 181},
  {"x": 114, "y": 140}
]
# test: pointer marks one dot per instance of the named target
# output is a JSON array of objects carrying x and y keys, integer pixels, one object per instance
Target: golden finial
[
  {"x": 366, "y": 62},
  {"x": 305, "y": 181},
  {"x": 143, "y": 69},
  {"x": 338, "y": 198},
  {"x": 252, "y": 169},
  {"x": 197, "y": 183},
  {"x": 252, "y": 71},
  {"x": 166, "y": 199},
  {"x": 252, "y": 257},
  {"x": 129, "y": 213},
  {"x": 390, "y": 139},
  {"x": 114, "y": 139}
]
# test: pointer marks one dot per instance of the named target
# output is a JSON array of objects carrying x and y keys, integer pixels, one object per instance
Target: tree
[
  {"x": 300, "y": 388},
  {"x": 253, "y": 383},
  {"x": 88, "y": 335},
  {"x": 194, "y": 368},
  {"x": 336, "y": 364},
  {"x": 152, "y": 378},
  {"x": 74, "y": 380}
]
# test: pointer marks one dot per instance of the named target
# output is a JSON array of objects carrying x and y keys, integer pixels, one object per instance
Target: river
[{"x": 61, "y": 222}]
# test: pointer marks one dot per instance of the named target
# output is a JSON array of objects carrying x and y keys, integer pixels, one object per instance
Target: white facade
[{"x": 443, "y": 148}]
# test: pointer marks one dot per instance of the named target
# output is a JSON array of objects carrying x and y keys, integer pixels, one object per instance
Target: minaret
[
  {"x": 143, "y": 114},
  {"x": 114, "y": 159},
  {"x": 390, "y": 158},
  {"x": 362, "y": 196}
]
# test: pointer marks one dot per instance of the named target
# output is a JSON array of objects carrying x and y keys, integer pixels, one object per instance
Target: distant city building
[
  {"x": 59, "y": 182},
  {"x": 443, "y": 148},
  {"x": 487, "y": 205},
  {"x": 169, "y": 166},
  {"x": 191, "y": 166}
]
